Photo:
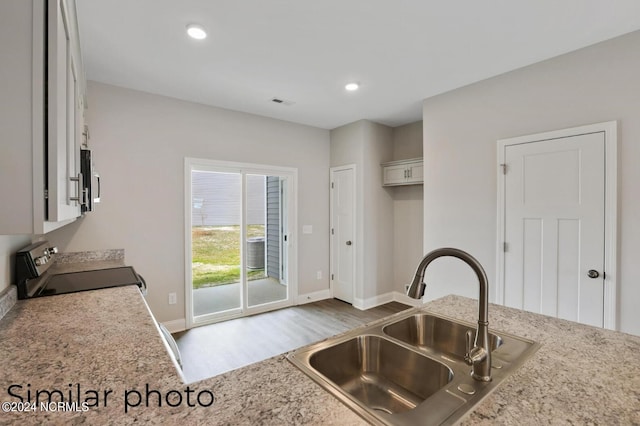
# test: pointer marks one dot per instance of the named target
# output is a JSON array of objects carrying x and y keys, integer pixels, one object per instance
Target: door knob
[
  {"x": 348, "y": 243},
  {"x": 593, "y": 273}
]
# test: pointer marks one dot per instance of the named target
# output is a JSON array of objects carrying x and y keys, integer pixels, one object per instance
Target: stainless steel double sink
[{"x": 409, "y": 369}]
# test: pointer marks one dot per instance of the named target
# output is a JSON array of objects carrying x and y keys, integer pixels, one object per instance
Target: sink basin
[
  {"x": 409, "y": 369},
  {"x": 380, "y": 373},
  {"x": 433, "y": 332}
]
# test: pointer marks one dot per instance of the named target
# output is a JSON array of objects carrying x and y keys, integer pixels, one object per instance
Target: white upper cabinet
[
  {"x": 403, "y": 172},
  {"x": 42, "y": 102},
  {"x": 65, "y": 104}
]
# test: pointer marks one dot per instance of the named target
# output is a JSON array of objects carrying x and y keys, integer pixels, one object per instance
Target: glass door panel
[
  {"x": 266, "y": 277},
  {"x": 216, "y": 242}
]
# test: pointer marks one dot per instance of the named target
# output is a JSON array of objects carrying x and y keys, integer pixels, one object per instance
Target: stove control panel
[{"x": 33, "y": 260}]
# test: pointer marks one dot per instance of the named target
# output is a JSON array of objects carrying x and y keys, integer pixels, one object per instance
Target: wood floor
[{"x": 214, "y": 349}]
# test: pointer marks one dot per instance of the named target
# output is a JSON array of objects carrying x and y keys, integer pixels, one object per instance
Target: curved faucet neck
[
  {"x": 480, "y": 354},
  {"x": 417, "y": 288}
]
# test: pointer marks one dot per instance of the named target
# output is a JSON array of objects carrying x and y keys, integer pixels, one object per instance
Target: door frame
[
  {"x": 332, "y": 251},
  {"x": 610, "y": 130},
  {"x": 292, "y": 246},
  {"x": 284, "y": 226}
]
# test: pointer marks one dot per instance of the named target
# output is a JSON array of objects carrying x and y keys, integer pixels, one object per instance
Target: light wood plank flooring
[{"x": 214, "y": 349}]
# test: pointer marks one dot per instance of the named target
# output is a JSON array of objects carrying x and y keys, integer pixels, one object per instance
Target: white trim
[
  {"x": 239, "y": 313},
  {"x": 292, "y": 265},
  {"x": 175, "y": 326},
  {"x": 217, "y": 317},
  {"x": 244, "y": 282},
  {"x": 610, "y": 130},
  {"x": 381, "y": 299},
  {"x": 37, "y": 118},
  {"x": 356, "y": 241},
  {"x": 313, "y": 297},
  {"x": 372, "y": 302},
  {"x": 611, "y": 226},
  {"x": 236, "y": 167},
  {"x": 188, "y": 215}
]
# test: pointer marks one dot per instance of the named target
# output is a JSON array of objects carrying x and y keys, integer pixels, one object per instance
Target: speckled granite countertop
[{"x": 105, "y": 340}]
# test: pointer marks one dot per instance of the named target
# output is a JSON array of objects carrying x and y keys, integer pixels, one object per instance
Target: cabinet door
[
  {"x": 416, "y": 173},
  {"x": 394, "y": 175},
  {"x": 63, "y": 150}
]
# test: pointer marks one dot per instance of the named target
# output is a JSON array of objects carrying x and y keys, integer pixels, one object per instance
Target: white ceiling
[{"x": 400, "y": 51}]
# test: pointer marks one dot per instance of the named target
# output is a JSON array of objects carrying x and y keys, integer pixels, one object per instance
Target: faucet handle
[{"x": 469, "y": 347}]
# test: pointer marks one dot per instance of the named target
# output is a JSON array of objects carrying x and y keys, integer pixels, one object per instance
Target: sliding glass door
[
  {"x": 239, "y": 245},
  {"x": 266, "y": 236}
]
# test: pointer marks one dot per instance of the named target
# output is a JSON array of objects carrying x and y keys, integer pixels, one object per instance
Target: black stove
[{"x": 33, "y": 278}]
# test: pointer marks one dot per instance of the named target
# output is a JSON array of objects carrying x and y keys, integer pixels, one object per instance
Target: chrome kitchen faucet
[{"x": 478, "y": 352}]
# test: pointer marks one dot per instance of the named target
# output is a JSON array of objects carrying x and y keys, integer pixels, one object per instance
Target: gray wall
[
  {"x": 407, "y": 209},
  {"x": 378, "y": 212},
  {"x": 8, "y": 246},
  {"x": 368, "y": 144},
  {"x": 140, "y": 141},
  {"x": 595, "y": 84}
]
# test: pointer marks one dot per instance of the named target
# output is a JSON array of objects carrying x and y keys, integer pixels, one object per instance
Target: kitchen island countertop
[{"x": 103, "y": 347}]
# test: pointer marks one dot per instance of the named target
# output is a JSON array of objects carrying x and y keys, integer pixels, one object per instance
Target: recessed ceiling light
[
  {"x": 352, "y": 86},
  {"x": 196, "y": 31}
]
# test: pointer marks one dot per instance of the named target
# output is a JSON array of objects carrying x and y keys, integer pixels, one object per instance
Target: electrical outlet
[
  {"x": 173, "y": 298},
  {"x": 319, "y": 275}
]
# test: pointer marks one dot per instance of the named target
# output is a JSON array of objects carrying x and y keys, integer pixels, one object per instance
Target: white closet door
[{"x": 555, "y": 227}]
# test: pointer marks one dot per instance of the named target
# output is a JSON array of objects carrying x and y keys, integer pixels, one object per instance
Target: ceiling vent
[{"x": 282, "y": 101}]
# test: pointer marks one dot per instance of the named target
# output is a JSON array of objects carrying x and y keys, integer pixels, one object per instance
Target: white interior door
[
  {"x": 555, "y": 227},
  {"x": 343, "y": 233}
]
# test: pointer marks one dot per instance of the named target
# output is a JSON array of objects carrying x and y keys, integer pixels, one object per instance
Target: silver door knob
[
  {"x": 348, "y": 243},
  {"x": 593, "y": 273}
]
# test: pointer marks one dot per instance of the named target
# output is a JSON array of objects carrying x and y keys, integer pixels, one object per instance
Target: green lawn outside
[{"x": 216, "y": 254}]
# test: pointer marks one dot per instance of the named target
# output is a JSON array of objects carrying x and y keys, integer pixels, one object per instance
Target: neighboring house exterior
[{"x": 216, "y": 201}]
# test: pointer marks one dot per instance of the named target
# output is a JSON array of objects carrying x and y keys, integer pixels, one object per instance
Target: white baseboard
[
  {"x": 313, "y": 297},
  {"x": 374, "y": 301},
  {"x": 392, "y": 296},
  {"x": 175, "y": 326}
]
